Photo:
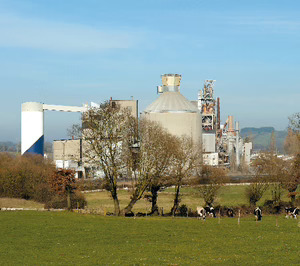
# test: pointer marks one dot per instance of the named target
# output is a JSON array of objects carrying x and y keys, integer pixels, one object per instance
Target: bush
[
  {"x": 255, "y": 191},
  {"x": 183, "y": 210},
  {"x": 21, "y": 176},
  {"x": 94, "y": 184},
  {"x": 43, "y": 193},
  {"x": 61, "y": 202},
  {"x": 32, "y": 177}
]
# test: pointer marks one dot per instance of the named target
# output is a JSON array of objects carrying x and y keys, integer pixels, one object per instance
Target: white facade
[
  {"x": 247, "y": 147},
  {"x": 209, "y": 142},
  {"x": 211, "y": 158}
]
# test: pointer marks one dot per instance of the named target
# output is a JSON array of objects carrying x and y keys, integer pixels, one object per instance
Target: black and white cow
[
  {"x": 210, "y": 211},
  {"x": 291, "y": 212},
  {"x": 230, "y": 212},
  {"x": 201, "y": 212},
  {"x": 258, "y": 214}
]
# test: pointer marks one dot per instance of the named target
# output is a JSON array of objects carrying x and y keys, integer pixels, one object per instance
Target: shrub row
[{"x": 30, "y": 177}]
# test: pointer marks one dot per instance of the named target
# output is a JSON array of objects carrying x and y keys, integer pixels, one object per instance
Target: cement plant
[{"x": 199, "y": 119}]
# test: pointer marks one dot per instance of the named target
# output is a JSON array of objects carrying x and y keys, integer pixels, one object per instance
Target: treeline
[
  {"x": 276, "y": 173},
  {"x": 143, "y": 152},
  {"x": 31, "y": 177},
  {"x": 152, "y": 158}
]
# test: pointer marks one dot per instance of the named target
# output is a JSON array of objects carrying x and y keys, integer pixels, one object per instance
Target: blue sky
[{"x": 73, "y": 51}]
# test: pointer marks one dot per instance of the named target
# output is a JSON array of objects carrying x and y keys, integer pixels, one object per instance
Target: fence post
[{"x": 239, "y": 218}]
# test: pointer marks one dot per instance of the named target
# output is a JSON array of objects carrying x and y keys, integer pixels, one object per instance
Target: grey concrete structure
[{"x": 174, "y": 112}]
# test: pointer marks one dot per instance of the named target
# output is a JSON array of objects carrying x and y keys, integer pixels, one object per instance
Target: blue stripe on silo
[{"x": 37, "y": 147}]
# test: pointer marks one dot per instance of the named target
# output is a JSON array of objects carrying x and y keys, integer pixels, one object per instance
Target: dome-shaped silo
[{"x": 173, "y": 111}]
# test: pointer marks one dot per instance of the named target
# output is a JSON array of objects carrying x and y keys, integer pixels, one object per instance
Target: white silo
[
  {"x": 174, "y": 112},
  {"x": 32, "y": 128}
]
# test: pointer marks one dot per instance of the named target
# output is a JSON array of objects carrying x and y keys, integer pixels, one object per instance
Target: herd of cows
[{"x": 204, "y": 212}]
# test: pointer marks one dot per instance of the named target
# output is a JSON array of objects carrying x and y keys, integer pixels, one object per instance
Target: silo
[
  {"x": 32, "y": 128},
  {"x": 174, "y": 112}
]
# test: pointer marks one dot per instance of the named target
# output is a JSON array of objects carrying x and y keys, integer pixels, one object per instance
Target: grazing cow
[
  {"x": 201, "y": 212},
  {"x": 258, "y": 214},
  {"x": 230, "y": 212},
  {"x": 291, "y": 212},
  {"x": 210, "y": 211}
]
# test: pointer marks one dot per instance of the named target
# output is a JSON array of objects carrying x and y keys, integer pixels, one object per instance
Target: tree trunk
[
  {"x": 130, "y": 205},
  {"x": 292, "y": 191},
  {"x": 69, "y": 199},
  {"x": 154, "y": 195},
  {"x": 293, "y": 198},
  {"x": 134, "y": 198},
  {"x": 116, "y": 201},
  {"x": 176, "y": 200}
]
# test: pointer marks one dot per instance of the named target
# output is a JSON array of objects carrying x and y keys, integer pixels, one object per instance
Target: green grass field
[
  {"x": 41, "y": 238},
  {"x": 230, "y": 196}
]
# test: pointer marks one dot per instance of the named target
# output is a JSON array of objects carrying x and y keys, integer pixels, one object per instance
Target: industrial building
[
  {"x": 32, "y": 124},
  {"x": 70, "y": 153},
  {"x": 173, "y": 111},
  {"x": 221, "y": 143}
]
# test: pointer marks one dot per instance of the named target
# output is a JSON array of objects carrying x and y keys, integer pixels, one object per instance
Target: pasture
[
  {"x": 230, "y": 196},
  {"x": 34, "y": 238}
]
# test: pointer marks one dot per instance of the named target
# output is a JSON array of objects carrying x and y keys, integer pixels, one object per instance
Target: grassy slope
[
  {"x": 69, "y": 238},
  {"x": 19, "y": 203},
  {"x": 228, "y": 196}
]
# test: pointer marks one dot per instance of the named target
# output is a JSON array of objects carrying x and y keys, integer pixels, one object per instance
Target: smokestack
[
  {"x": 237, "y": 128},
  {"x": 218, "y": 113},
  {"x": 230, "y": 123}
]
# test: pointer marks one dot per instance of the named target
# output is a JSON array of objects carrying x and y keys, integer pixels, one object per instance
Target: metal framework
[{"x": 206, "y": 105}]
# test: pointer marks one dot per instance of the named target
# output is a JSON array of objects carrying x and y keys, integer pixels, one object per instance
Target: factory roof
[{"x": 171, "y": 102}]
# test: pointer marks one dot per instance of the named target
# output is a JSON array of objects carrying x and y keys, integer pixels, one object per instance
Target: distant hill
[
  {"x": 261, "y": 137},
  {"x": 7, "y": 146}
]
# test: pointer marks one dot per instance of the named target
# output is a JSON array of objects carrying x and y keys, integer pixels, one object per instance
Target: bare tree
[
  {"x": 187, "y": 158},
  {"x": 211, "y": 179},
  {"x": 274, "y": 170},
  {"x": 294, "y": 122},
  {"x": 292, "y": 143},
  {"x": 273, "y": 147},
  {"x": 163, "y": 164},
  {"x": 151, "y": 162},
  {"x": 255, "y": 191},
  {"x": 108, "y": 133}
]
